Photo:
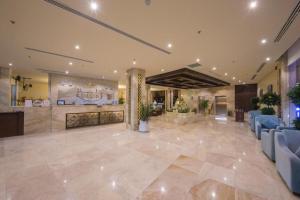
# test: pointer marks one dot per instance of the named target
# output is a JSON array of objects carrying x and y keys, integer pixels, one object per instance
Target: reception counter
[{"x": 53, "y": 118}]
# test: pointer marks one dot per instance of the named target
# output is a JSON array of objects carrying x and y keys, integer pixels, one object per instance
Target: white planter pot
[{"x": 144, "y": 126}]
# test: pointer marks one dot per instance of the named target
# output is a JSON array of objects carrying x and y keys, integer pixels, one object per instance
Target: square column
[
  {"x": 136, "y": 95},
  {"x": 4, "y": 89}
]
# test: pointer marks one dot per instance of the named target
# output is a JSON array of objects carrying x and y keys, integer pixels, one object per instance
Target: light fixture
[
  {"x": 226, "y": 74},
  {"x": 263, "y": 41},
  {"x": 66, "y": 72},
  {"x": 198, "y": 60},
  {"x": 94, "y": 5},
  {"x": 10, "y": 64},
  {"x": 115, "y": 71},
  {"x": 70, "y": 63},
  {"x": 134, "y": 62},
  {"x": 233, "y": 78},
  {"x": 162, "y": 70},
  {"x": 253, "y": 4},
  {"x": 162, "y": 189},
  {"x": 240, "y": 81},
  {"x": 103, "y": 77},
  {"x": 268, "y": 59},
  {"x": 244, "y": 83},
  {"x": 77, "y": 47},
  {"x": 214, "y": 68},
  {"x": 170, "y": 45}
]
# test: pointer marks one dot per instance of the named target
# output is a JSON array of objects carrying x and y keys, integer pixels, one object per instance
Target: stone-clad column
[
  {"x": 136, "y": 95},
  {"x": 4, "y": 89}
]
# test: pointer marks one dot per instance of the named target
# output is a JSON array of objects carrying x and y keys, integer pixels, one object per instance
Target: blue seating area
[
  {"x": 265, "y": 122},
  {"x": 251, "y": 116}
]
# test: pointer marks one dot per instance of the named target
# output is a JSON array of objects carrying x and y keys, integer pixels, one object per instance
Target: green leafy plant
[
  {"x": 194, "y": 110},
  {"x": 182, "y": 107},
  {"x": 254, "y": 103},
  {"x": 294, "y": 95},
  {"x": 121, "y": 100},
  {"x": 296, "y": 122},
  {"x": 145, "y": 112},
  {"x": 269, "y": 99},
  {"x": 204, "y": 104}
]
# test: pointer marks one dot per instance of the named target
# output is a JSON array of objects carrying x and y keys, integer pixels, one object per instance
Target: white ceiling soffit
[{"x": 224, "y": 34}]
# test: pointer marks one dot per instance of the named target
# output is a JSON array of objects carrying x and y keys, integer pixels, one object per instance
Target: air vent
[
  {"x": 253, "y": 77},
  {"x": 288, "y": 23},
  {"x": 260, "y": 67},
  {"x": 194, "y": 65}
]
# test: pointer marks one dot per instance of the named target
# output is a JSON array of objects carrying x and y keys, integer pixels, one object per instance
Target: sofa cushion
[
  {"x": 269, "y": 123},
  {"x": 298, "y": 152}
]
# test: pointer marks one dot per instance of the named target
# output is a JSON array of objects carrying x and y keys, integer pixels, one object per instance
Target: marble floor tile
[{"x": 207, "y": 159}]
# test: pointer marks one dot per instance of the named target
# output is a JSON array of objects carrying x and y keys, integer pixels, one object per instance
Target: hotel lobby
[{"x": 147, "y": 99}]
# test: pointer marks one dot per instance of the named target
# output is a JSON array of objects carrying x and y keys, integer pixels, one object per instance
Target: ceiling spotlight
[
  {"x": 66, "y": 72},
  {"x": 170, "y": 45},
  {"x": 10, "y": 64},
  {"x": 268, "y": 59},
  {"x": 70, "y": 63},
  {"x": 263, "y": 41},
  {"x": 103, "y": 77},
  {"x": 233, "y": 78},
  {"x": 162, "y": 70},
  {"x": 253, "y": 4},
  {"x": 115, "y": 71},
  {"x": 244, "y": 83},
  {"x": 94, "y": 6},
  {"x": 214, "y": 68},
  {"x": 198, "y": 60},
  {"x": 77, "y": 47},
  {"x": 134, "y": 62},
  {"x": 226, "y": 74},
  {"x": 240, "y": 81}
]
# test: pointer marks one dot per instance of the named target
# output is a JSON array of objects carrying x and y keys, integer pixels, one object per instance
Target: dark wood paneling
[
  {"x": 11, "y": 124},
  {"x": 243, "y": 96}
]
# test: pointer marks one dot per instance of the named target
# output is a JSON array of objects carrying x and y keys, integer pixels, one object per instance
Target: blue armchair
[
  {"x": 267, "y": 140},
  {"x": 287, "y": 162},
  {"x": 264, "y": 123},
  {"x": 251, "y": 118}
]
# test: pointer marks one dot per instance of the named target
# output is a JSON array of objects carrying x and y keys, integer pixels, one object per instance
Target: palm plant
[{"x": 145, "y": 112}]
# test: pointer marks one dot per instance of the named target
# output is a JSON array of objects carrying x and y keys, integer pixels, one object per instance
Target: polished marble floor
[{"x": 209, "y": 159}]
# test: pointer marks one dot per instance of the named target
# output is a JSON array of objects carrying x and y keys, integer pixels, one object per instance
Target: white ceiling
[{"x": 230, "y": 32}]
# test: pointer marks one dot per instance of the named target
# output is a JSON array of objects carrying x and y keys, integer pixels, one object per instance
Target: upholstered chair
[
  {"x": 251, "y": 118},
  {"x": 264, "y": 123}
]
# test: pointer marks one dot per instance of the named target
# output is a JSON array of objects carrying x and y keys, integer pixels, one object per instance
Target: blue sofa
[
  {"x": 251, "y": 118},
  {"x": 265, "y": 122},
  {"x": 287, "y": 162}
]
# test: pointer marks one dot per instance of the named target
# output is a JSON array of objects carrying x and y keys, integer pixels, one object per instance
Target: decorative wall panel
[
  {"x": 111, "y": 117},
  {"x": 139, "y": 93}
]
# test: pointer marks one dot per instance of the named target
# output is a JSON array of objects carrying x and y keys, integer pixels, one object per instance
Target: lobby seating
[
  {"x": 267, "y": 140},
  {"x": 287, "y": 146},
  {"x": 264, "y": 123},
  {"x": 251, "y": 117}
]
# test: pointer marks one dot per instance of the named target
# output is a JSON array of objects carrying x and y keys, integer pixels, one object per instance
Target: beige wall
[
  {"x": 191, "y": 96},
  {"x": 271, "y": 79},
  {"x": 38, "y": 91}
]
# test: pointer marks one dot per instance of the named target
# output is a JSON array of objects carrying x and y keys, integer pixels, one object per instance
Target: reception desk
[{"x": 53, "y": 118}]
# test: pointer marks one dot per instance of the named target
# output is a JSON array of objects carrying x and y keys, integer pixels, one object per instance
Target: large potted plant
[
  {"x": 294, "y": 95},
  {"x": 269, "y": 99},
  {"x": 145, "y": 114},
  {"x": 204, "y": 105},
  {"x": 255, "y": 103}
]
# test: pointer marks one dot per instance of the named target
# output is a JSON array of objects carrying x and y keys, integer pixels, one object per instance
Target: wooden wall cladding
[
  {"x": 11, "y": 124},
  {"x": 243, "y": 96}
]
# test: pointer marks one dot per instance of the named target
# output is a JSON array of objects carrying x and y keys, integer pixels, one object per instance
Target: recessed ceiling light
[
  {"x": 170, "y": 45},
  {"x": 253, "y": 4},
  {"x": 214, "y": 68},
  {"x": 66, "y": 72},
  {"x": 226, "y": 74},
  {"x": 263, "y": 41},
  {"x": 162, "y": 70},
  {"x": 134, "y": 62},
  {"x": 198, "y": 60},
  {"x": 77, "y": 47},
  {"x": 70, "y": 63},
  {"x": 268, "y": 59},
  {"x": 115, "y": 71},
  {"x": 244, "y": 83},
  {"x": 233, "y": 78},
  {"x": 240, "y": 81},
  {"x": 103, "y": 77},
  {"x": 94, "y": 5},
  {"x": 10, "y": 64}
]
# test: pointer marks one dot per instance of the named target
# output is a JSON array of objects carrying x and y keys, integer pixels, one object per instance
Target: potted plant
[
  {"x": 269, "y": 99},
  {"x": 121, "y": 100},
  {"x": 255, "y": 103},
  {"x": 294, "y": 95},
  {"x": 204, "y": 105},
  {"x": 145, "y": 114}
]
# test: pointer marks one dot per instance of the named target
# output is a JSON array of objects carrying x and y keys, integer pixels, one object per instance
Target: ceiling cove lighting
[
  {"x": 94, "y": 5},
  {"x": 253, "y": 4},
  {"x": 77, "y": 47},
  {"x": 268, "y": 59}
]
